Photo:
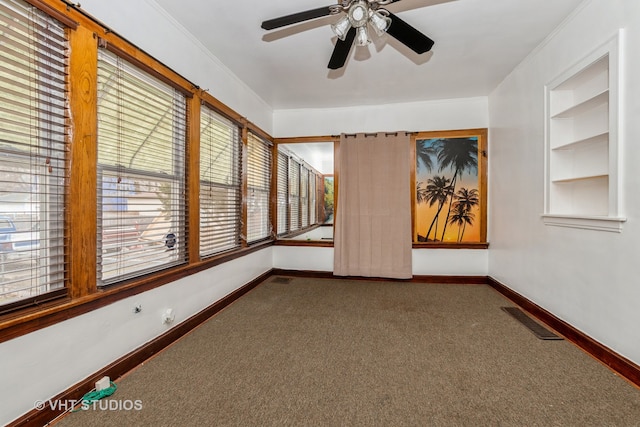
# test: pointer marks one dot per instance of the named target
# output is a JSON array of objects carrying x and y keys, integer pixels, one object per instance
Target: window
[
  {"x": 141, "y": 172},
  {"x": 94, "y": 180},
  {"x": 220, "y": 183},
  {"x": 313, "y": 207},
  {"x": 297, "y": 187},
  {"x": 33, "y": 144},
  {"x": 283, "y": 192},
  {"x": 258, "y": 183},
  {"x": 327, "y": 196},
  {"x": 304, "y": 196},
  {"x": 294, "y": 195}
]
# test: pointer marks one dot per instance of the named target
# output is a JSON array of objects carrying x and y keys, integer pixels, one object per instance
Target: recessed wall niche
[{"x": 583, "y": 143}]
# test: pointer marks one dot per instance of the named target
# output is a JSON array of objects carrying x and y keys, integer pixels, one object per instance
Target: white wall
[
  {"x": 44, "y": 363},
  {"x": 587, "y": 278},
  {"x": 464, "y": 113},
  {"x": 450, "y": 262},
  {"x": 138, "y": 21},
  {"x": 303, "y": 258},
  {"x": 445, "y": 262}
]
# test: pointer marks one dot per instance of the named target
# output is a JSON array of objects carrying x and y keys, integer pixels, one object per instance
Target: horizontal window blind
[
  {"x": 283, "y": 193},
  {"x": 304, "y": 196},
  {"x": 294, "y": 195},
  {"x": 220, "y": 183},
  {"x": 297, "y": 186},
  {"x": 33, "y": 146},
  {"x": 141, "y": 172},
  {"x": 258, "y": 183}
]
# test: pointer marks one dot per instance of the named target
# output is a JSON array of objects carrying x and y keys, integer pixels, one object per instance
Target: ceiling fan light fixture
[
  {"x": 342, "y": 27},
  {"x": 379, "y": 20},
  {"x": 362, "y": 36},
  {"x": 359, "y": 14}
]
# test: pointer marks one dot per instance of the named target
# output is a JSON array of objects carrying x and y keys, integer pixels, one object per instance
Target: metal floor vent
[
  {"x": 537, "y": 329},
  {"x": 282, "y": 280}
]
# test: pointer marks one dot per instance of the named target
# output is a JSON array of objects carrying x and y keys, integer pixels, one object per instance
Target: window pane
[
  {"x": 294, "y": 195},
  {"x": 141, "y": 145},
  {"x": 33, "y": 117},
  {"x": 313, "y": 208},
  {"x": 283, "y": 193},
  {"x": 259, "y": 180},
  {"x": 220, "y": 185},
  {"x": 304, "y": 196}
]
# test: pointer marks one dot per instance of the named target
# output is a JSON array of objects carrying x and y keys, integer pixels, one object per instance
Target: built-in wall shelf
[
  {"x": 582, "y": 142},
  {"x": 598, "y": 223},
  {"x": 580, "y": 178},
  {"x": 601, "y": 138},
  {"x": 589, "y": 104}
]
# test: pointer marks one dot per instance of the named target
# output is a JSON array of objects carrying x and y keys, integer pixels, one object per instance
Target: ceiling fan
[{"x": 353, "y": 26}]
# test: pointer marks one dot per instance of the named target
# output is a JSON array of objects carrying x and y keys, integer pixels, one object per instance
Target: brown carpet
[{"x": 320, "y": 352}]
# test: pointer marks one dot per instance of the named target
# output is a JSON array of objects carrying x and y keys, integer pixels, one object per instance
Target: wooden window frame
[
  {"x": 82, "y": 294},
  {"x": 284, "y": 238},
  {"x": 481, "y": 134}
]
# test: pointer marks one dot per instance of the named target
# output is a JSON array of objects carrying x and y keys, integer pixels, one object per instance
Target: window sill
[
  {"x": 298, "y": 232},
  {"x": 454, "y": 245},
  {"x": 316, "y": 243},
  {"x": 598, "y": 223}
]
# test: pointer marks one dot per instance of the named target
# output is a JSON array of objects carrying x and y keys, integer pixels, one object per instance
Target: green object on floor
[{"x": 94, "y": 396}]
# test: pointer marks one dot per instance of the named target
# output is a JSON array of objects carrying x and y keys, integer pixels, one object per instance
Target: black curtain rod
[{"x": 367, "y": 134}]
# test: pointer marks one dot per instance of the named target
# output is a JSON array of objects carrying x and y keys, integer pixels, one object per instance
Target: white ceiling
[{"x": 477, "y": 44}]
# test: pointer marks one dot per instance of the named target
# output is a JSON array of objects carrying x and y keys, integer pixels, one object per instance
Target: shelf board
[
  {"x": 579, "y": 178},
  {"x": 601, "y": 137},
  {"x": 598, "y": 223},
  {"x": 575, "y": 110}
]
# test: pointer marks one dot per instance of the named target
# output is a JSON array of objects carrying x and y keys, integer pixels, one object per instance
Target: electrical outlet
[{"x": 168, "y": 316}]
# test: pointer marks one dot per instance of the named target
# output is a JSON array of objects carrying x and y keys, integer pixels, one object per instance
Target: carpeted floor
[{"x": 321, "y": 352}]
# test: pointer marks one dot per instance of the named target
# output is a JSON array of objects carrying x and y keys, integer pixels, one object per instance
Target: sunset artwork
[{"x": 448, "y": 199}]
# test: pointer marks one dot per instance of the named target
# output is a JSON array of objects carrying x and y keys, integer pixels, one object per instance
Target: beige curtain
[{"x": 373, "y": 213}]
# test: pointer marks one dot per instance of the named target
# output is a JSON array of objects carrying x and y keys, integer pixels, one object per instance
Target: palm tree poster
[{"x": 449, "y": 206}]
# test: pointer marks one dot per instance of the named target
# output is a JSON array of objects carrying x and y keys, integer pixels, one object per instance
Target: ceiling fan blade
[
  {"x": 294, "y": 18},
  {"x": 409, "y": 36},
  {"x": 341, "y": 51}
]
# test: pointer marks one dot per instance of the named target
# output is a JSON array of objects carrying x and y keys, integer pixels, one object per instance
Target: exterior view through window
[
  {"x": 33, "y": 118},
  {"x": 141, "y": 175},
  {"x": 220, "y": 183},
  {"x": 258, "y": 182}
]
